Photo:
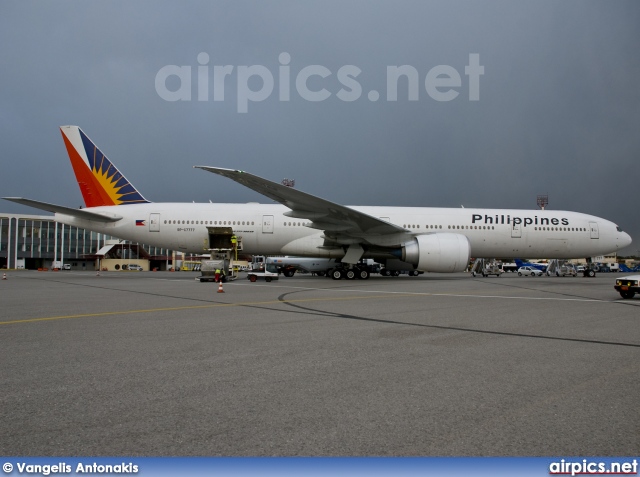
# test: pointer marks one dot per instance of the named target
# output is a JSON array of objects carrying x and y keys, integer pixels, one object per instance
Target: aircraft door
[
  {"x": 154, "y": 222},
  {"x": 267, "y": 224},
  {"x": 516, "y": 231},
  {"x": 595, "y": 233}
]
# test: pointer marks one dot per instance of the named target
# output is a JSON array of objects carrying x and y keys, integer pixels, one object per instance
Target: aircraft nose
[{"x": 626, "y": 239}]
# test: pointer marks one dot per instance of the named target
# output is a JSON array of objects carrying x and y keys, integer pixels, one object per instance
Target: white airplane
[{"x": 403, "y": 238}]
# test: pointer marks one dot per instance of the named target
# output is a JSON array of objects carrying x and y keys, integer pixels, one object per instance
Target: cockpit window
[{"x": 618, "y": 228}]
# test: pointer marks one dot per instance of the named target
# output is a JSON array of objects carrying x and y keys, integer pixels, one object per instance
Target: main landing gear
[{"x": 349, "y": 273}]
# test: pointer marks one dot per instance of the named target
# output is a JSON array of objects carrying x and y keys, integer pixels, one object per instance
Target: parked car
[
  {"x": 531, "y": 271},
  {"x": 135, "y": 267},
  {"x": 628, "y": 286},
  {"x": 66, "y": 266}
]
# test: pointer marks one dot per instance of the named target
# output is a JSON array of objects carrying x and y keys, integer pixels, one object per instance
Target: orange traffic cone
[{"x": 220, "y": 290}]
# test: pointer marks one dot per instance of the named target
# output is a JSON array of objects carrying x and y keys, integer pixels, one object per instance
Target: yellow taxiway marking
[
  {"x": 192, "y": 307},
  {"x": 365, "y": 295}
]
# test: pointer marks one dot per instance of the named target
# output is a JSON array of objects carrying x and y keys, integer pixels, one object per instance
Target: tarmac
[{"x": 158, "y": 364}]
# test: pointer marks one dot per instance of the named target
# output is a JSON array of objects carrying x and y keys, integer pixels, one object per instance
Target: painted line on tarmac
[
  {"x": 192, "y": 307},
  {"x": 380, "y": 294},
  {"x": 455, "y": 295}
]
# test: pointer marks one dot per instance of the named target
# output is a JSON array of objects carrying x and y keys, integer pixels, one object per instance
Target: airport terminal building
[{"x": 38, "y": 241}]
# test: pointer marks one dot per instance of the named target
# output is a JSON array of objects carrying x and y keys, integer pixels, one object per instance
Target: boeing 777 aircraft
[{"x": 402, "y": 238}]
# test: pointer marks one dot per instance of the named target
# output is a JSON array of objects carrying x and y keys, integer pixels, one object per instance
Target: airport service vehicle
[
  {"x": 385, "y": 272},
  {"x": 609, "y": 267},
  {"x": 530, "y": 271},
  {"x": 268, "y": 272},
  {"x": 486, "y": 267},
  {"x": 66, "y": 266},
  {"x": 509, "y": 267},
  {"x": 628, "y": 286},
  {"x": 492, "y": 269},
  {"x": 561, "y": 268},
  {"x": 566, "y": 270},
  {"x": 300, "y": 224},
  {"x": 208, "y": 270},
  {"x": 288, "y": 266}
]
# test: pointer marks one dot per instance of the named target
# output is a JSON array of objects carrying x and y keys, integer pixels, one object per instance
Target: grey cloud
[{"x": 559, "y": 106}]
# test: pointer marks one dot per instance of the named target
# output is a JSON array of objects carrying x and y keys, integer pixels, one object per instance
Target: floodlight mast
[{"x": 542, "y": 201}]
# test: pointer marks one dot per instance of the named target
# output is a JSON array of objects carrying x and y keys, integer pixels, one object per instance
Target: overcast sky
[{"x": 556, "y": 110}]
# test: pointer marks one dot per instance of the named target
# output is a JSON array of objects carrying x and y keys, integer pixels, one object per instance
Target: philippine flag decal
[{"x": 141, "y": 223}]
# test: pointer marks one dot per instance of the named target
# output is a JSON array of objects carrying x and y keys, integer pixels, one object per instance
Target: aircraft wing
[
  {"x": 325, "y": 215},
  {"x": 79, "y": 213}
]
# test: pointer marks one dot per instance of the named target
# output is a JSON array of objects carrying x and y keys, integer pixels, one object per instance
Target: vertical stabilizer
[{"x": 101, "y": 183}]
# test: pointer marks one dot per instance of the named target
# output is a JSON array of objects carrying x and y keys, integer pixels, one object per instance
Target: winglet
[{"x": 101, "y": 183}]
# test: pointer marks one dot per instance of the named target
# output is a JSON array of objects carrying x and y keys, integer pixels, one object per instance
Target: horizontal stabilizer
[{"x": 79, "y": 213}]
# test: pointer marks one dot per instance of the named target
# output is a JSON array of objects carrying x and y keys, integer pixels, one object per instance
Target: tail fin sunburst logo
[{"x": 101, "y": 183}]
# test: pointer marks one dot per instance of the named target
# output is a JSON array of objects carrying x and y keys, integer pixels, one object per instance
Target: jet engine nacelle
[{"x": 441, "y": 252}]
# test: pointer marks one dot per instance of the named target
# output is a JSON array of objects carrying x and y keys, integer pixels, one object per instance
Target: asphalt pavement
[{"x": 158, "y": 364}]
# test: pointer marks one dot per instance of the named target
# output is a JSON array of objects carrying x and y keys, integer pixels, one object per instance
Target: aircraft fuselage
[{"x": 264, "y": 229}]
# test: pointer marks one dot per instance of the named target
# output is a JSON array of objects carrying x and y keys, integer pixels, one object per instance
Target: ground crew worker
[
  {"x": 234, "y": 245},
  {"x": 217, "y": 275}
]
